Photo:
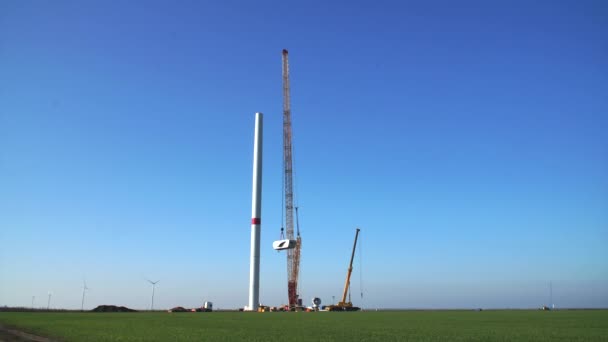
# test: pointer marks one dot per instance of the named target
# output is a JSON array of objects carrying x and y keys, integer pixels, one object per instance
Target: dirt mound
[{"x": 112, "y": 308}]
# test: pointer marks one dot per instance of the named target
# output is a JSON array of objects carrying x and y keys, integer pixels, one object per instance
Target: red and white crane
[{"x": 293, "y": 254}]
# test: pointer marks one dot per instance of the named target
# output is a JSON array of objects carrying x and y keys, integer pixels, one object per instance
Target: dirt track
[{"x": 9, "y": 335}]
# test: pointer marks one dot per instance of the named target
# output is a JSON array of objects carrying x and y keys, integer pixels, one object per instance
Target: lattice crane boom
[{"x": 293, "y": 255}]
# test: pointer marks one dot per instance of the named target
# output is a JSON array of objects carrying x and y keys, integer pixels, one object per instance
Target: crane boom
[
  {"x": 350, "y": 270},
  {"x": 293, "y": 255}
]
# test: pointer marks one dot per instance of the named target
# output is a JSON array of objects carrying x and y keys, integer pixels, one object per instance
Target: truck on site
[{"x": 343, "y": 305}]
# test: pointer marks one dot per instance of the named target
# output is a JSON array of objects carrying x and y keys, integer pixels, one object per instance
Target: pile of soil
[
  {"x": 179, "y": 309},
  {"x": 112, "y": 308}
]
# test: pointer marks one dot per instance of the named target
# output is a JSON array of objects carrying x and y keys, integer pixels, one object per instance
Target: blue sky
[{"x": 466, "y": 139}]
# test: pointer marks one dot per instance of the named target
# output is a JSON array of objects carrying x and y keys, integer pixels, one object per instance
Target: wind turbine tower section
[
  {"x": 256, "y": 217},
  {"x": 293, "y": 254}
]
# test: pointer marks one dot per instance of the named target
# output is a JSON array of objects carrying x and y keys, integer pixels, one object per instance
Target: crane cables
[
  {"x": 361, "y": 267},
  {"x": 282, "y": 220}
]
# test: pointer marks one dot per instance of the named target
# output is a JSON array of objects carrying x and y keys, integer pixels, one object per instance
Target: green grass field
[{"x": 322, "y": 326}]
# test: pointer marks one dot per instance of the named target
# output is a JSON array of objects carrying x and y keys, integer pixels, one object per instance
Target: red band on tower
[{"x": 256, "y": 220}]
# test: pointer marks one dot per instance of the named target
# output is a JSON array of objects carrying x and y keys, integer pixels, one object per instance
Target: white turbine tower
[
  {"x": 48, "y": 304},
  {"x": 256, "y": 217},
  {"x": 84, "y": 290},
  {"x": 153, "y": 288}
]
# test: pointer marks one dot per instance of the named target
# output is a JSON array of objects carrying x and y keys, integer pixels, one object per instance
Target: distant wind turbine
[
  {"x": 84, "y": 290},
  {"x": 33, "y": 297},
  {"x": 48, "y": 304},
  {"x": 551, "y": 295},
  {"x": 153, "y": 287}
]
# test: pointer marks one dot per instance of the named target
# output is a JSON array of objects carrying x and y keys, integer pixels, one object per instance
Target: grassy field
[{"x": 322, "y": 326}]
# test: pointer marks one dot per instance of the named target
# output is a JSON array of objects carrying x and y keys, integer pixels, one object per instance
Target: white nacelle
[{"x": 283, "y": 244}]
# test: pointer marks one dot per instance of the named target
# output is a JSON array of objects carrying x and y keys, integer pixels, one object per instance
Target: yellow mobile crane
[{"x": 343, "y": 305}]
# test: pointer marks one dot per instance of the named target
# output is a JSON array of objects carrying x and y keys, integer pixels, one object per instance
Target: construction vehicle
[
  {"x": 264, "y": 308},
  {"x": 343, "y": 305}
]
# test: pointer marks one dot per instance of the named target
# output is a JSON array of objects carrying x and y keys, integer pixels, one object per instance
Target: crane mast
[
  {"x": 293, "y": 255},
  {"x": 344, "y": 305},
  {"x": 350, "y": 271}
]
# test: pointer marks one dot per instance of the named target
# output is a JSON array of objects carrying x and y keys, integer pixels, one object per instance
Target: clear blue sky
[{"x": 467, "y": 140}]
